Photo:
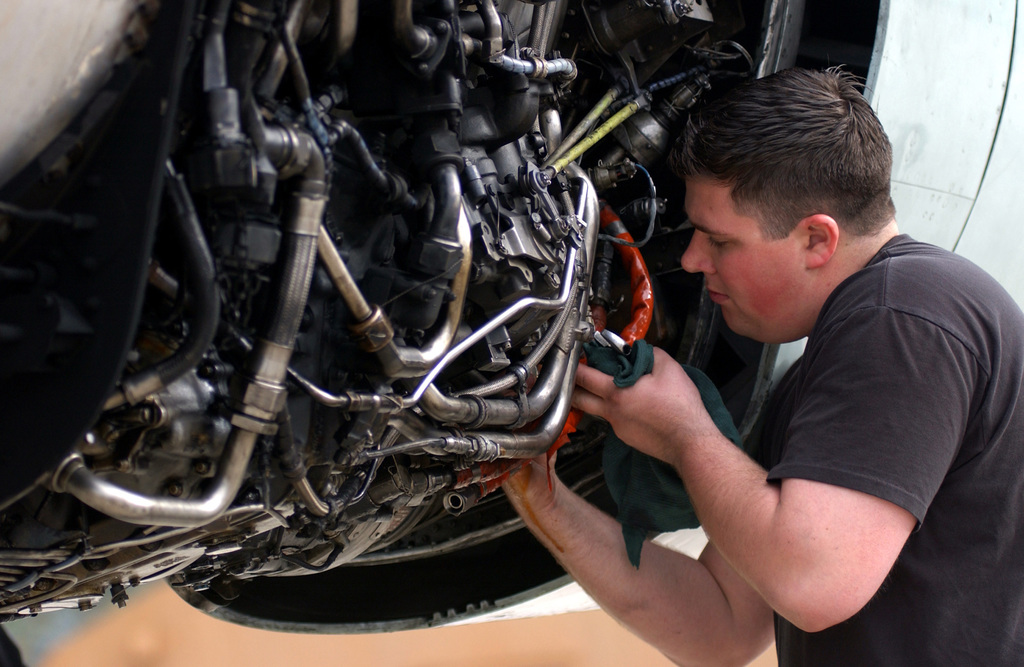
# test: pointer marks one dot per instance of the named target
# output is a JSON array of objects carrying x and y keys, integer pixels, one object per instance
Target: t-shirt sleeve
[{"x": 883, "y": 408}]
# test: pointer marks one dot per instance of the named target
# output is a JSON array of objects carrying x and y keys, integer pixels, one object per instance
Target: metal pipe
[
  {"x": 528, "y": 445},
  {"x": 501, "y": 318},
  {"x": 477, "y": 412},
  {"x": 405, "y": 361},
  {"x": 587, "y": 210},
  {"x": 271, "y": 78},
  {"x": 342, "y": 279},
  {"x": 415, "y": 361},
  {"x": 344, "y": 21},
  {"x": 350, "y": 400},
  {"x": 492, "y": 25},
  {"x": 113, "y": 500},
  {"x": 509, "y": 380},
  {"x": 415, "y": 40},
  {"x": 310, "y": 499},
  {"x": 540, "y": 24},
  {"x": 259, "y": 400}
]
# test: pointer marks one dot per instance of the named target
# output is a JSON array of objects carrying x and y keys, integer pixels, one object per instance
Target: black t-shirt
[{"x": 911, "y": 388}]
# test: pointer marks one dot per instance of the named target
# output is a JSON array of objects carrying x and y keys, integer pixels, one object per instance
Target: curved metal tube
[
  {"x": 492, "y": 25},
  {"x": 587, "y": 210},
  {"x": 344, "y": 20},
  {"x": 113, "y": 500},
  {"x": 568, "y": 278},
  {"x": 535, "y": 443},
  {"x": 271, "y": 78},
  {"x": 510, "y": 380},
  {"x": 415, "y": 40},
  {"x": 418, "y": 360},
  {"x": 342, "y": 279},
  {"x": 507, "y": 412},
  {"x": 267, "y": 367}
]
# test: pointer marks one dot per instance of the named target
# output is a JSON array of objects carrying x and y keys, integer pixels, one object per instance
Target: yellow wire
[
  {"x": 584, "y": 125},
  {"x": 598, "y": 134}
]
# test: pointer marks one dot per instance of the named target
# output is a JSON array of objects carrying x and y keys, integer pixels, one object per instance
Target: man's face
[{"x": 758, "y": 282}]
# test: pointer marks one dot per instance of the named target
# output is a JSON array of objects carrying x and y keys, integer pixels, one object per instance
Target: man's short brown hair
[{"x": 792, "y": 144}]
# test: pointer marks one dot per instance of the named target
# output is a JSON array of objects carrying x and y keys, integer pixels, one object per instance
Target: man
[{"x": 883, "y": 524}]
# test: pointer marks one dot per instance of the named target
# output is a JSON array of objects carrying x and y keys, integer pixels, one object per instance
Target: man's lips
[{"x": 717, "y": 297}]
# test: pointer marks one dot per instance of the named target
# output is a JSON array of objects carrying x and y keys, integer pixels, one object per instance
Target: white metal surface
[
  {"x": 993, "y": 237},
  {"x": 54, "y": 55},
  {"x": 937, "y": 81}
]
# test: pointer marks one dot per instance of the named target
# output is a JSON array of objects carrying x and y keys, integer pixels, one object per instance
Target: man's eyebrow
[{"x": 701, "y": 227}]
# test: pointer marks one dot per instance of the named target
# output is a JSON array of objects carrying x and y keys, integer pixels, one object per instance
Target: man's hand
[
  {"x": 657, "y": 415},
  {"x": 532, "y": 488}
]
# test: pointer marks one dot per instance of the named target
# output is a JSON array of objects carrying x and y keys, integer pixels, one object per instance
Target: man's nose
[{"x": 695, "y": 257}]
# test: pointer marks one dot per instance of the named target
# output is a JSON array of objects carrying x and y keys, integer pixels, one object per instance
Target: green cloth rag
[{"x": 648, "y": 492}]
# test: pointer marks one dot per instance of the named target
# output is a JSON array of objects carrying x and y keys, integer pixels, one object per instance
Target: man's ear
[{"x": 819, "y": 234}]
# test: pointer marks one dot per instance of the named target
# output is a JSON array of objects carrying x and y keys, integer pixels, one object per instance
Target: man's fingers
[
  {"x": 594, "y": 381},
  {"x": 585, "y": 401}
]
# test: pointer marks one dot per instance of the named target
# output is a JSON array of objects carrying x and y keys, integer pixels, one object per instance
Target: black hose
[
  {"x": 205, "y": 299},
  {"x": 387, "y": 185},
  {"x": 447, "y": 202},
  {"x": 350, "y": 135}
]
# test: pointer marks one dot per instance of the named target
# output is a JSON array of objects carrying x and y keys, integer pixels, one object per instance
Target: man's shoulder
[{"x": 923, "y": 280}]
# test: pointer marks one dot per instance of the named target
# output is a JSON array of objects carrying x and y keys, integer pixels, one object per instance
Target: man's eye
[{"x": 715, "y": 243}]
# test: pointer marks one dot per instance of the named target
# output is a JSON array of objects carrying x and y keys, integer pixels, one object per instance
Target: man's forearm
[
  {"x": 815, "y": 552},
  {"x": 673, "y": 602}
]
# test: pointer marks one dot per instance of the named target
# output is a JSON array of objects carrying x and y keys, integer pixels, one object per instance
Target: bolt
[
  {"x": 118, "y": 595},
  {"x": 174, "y": 489}
]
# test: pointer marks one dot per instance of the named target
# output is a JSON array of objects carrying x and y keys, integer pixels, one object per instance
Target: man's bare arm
[
  {"x": 817, "y": 553},
  {"x": 697, "y": 612}
]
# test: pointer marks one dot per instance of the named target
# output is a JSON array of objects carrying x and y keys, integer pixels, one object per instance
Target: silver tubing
[
  {"x": 476, "y": 412},
  {"x": 587, "y": 211},
  {"x": 262, "y": 395},
  {"x": 113, "y": 500},
  {"x": 528, "y": 445},
  {"x": 419, "y": 360},
  {"x": 271, "y": 79},
  {"x": 568, "y": 278},
  {"x": 340, "y": 276},
  {"x": 415, "y": 40},
  {"x": 310, "y": 499},
  {"x": 509, "y": 380}
]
